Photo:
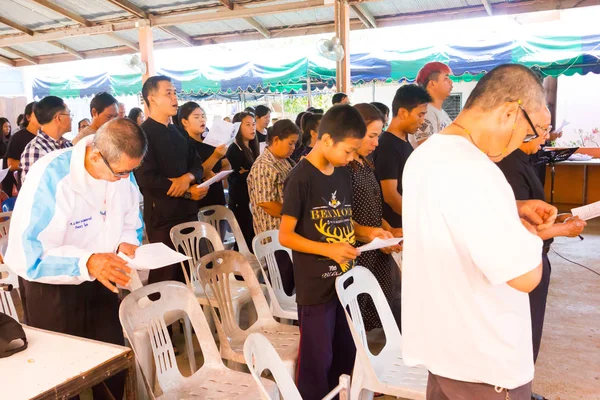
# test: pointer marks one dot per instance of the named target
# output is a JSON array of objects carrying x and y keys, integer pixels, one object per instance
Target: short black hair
[
  {"x": 134, "y": 113},
  {"x": 79, "y": 123},
  {"x": 409, "y": 97},
  {"x": 47, "y": 108},
  {"x": 383, "y": 109},
  {"x": 250, "y": 110},
  {"x": 282, "y": 129},
  {"x": 20, "y": 119},
  {"x": 315, "y": 110},
  {"x": 260, "y": 111},
  {"x": 101, "y": 101},
  {"x": 29, "y": 109},
  {"x": 151, "y": 85},
  {"x": 121, "y": 136},
  {"x": 507, "y": 83},
  {"x": 342, "y": 122},
  {"x": 338, "y": 97}
]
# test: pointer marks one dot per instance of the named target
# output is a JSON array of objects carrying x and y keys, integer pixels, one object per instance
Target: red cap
[{"x": 430, "y": 68}]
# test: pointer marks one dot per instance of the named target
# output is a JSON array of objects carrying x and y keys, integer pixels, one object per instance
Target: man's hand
[
  {"x": 107, "y": 268},
  {"x": 555, "y": 135},
  {"x": 342, "y": 253},
  {"x": 574, "y": 226},
  {"x": 198, "y": 193},
  {"x": 179, "y": 185},
  {"x": 538, "y": 213},
  {"x": 128, "y": 249},
  {"x": 220, "y": 151}
]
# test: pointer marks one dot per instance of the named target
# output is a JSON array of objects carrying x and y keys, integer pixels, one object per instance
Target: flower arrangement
[{"x": 582, "y": 139}]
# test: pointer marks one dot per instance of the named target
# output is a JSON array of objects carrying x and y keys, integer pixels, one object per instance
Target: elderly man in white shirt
[
  {"x": 76, "y": 210},
  {"x": 471, "y": 252}
]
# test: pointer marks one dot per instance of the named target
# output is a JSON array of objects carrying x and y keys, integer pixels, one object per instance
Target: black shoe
[{"x": 535, "y": 396}]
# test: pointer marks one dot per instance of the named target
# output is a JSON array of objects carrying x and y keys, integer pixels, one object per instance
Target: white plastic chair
[
  {"x": 187, "y": 237},
  {"x": 265, "y": 245},
  {"x": 7, "y": 306},
  {"x": 214, "y": 271},
  {"x": 142, "y": 317},
  {"x": 5, "y": 218},
  {"x": 213, "y": 215},
  {"x": 260, "y": 356},
  {"x": 385, "y": 372}
]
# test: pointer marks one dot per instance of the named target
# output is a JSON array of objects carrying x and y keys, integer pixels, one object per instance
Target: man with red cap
[{"x": 435, "y": 78}]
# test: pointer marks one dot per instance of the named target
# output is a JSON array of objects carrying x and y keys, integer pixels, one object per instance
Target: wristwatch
[{"x": 187, "y": 195}]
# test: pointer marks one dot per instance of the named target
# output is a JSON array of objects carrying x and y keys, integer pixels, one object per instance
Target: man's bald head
[
  {"x": 119, "y": 137},
  {"x": 507, "y": 83}
]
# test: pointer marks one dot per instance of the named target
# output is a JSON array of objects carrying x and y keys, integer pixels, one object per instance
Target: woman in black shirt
[
  {"x": 310, "y": 132},
  {"x": 241, "y": 155},
  {"x": 6, "y": 130},
  {"x": 367, "y": 210},
  {"x": 524, "y": 180},
  {"x": 192, "y": 120},
  {"x": 263, "y": 119}
]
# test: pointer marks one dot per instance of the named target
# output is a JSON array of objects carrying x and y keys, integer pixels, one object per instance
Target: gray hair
[{"x": 121, "y": 136}]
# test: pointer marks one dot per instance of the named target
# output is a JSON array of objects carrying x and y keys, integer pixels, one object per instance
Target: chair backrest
[
  {"x": 357, "y": 281},
  {"x": 141, "y": 316},
  {"x": 187, "y": 236},
  {"x": 7, "y": 306},
  {"x": 5, "y": 218},
  {"x": 265, "y": 245},
  {"x": 260, "y": 355},
  {"x": 215, "y": 271},
  {"x": 214, "y": 214}
]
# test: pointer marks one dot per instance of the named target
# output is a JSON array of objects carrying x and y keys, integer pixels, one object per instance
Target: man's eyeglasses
[
  {"x": 535, "y": 134},
  {"x": 70, "y": 115},
  {"x": 116, "y": 174}
]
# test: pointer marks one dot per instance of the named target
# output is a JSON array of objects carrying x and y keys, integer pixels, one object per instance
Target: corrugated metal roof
[{"x": 37, "y": 17}]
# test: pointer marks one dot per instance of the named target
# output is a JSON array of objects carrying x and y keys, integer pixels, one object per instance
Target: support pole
[
  {"x": 309, "y": 91},
  {"x": 146, "y": 55},
  {"x": 342, "y": 30},
  {"x": 551, "y": 87}
]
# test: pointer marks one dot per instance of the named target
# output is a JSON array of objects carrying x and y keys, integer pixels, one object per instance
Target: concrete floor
[{"x": 568, "y": 367}]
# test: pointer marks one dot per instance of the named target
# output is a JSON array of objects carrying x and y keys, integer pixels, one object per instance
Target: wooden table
[
  {"x": 577, "y": 183},
  {"x": 58, "y": 366}
]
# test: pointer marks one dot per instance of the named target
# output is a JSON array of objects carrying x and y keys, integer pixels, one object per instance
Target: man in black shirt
[
  {"x": 17, "y": 144},
  {"x": 170, "y": 172},
  {"x": 409, "y": 108}
]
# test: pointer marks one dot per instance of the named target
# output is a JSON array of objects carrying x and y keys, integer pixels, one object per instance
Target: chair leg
[
  {"x": 209, "y": 319},
  {"x": 189, "y": 344}
]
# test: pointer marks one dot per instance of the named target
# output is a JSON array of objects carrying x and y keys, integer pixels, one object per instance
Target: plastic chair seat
[
  {"x": 284, "y": 338},
  {"x": 219, "y": 384},
  {"x": 393, "y": 371}
]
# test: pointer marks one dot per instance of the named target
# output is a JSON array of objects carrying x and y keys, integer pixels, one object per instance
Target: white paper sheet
[
  {"x": 221, "y": 132},
  {"x": 3, "y": 173},
  {"x": 153, "y": 256},
  {"x": 587, "y": 212},
  {"x": 377, "y": 244},
  {"x": 220, "y": 176},
  {"x": 562, "y": 126}
]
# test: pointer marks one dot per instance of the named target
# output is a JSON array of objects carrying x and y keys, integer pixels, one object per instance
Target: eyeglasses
[
  {"x": 70, "y": 115},
  {"x": 535, "y": 134},
  {"x": 116, "y": 174}
]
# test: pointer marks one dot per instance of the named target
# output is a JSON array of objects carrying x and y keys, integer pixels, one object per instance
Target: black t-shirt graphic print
[{"x": 323, "y": 207}]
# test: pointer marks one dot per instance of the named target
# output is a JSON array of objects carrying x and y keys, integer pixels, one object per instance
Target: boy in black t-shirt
[{"x": 317, "y": 225}]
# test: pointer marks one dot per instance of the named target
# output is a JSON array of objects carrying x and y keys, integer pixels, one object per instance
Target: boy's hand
[
  {"x": 342, "y": 253},
  {"x": 383, "y": 234}
]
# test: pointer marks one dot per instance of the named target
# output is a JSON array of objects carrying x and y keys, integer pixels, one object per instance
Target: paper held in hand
[
  {"x": 587, "y": 212},
  {"x": 221, "y": 132},
  {"x": 153, "y": 256},
  {"x": 377, "y": 244},
  {"x": 3, "y": 173},
  {"x": 220, "y": 176}
]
